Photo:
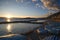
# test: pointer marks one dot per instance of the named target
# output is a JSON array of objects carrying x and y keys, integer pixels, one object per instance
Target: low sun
[{"x": 8, "y": 16}]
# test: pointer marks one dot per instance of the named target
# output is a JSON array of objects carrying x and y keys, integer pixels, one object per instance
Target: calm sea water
[{"x": 17, "y": 28}]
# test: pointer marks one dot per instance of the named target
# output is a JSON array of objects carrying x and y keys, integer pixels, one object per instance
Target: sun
[{"x": 8, "y": 16}]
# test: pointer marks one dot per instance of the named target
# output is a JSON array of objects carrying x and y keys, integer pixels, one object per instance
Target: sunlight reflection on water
[
  {"x": 8, "y": 35},
  {"x": 8, "y": 20},
  {"x": 17, "y": 28},
  {"x": 9, "y": 27}
]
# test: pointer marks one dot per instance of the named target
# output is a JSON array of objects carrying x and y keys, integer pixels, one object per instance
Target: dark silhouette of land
[
  {"x": 27, "y": 20},
  {"x": 22, "y": 22}
]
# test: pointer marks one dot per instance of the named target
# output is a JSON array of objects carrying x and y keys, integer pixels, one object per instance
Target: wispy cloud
[
  {"x": 51, "y": 4},
  {"x": 20, "y": 1},
  {"x": 37, "y": 5},
  {"x": 34, "y": 0},
  {"x": 40, "y": 6},
  {"x": 17, "y": 0}
]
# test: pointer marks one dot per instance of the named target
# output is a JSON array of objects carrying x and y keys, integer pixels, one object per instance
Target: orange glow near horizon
[
  {"x": 17, "y": 16},
  {"x": 14, "y": 16},
  {"x": 8, "y": 16}
]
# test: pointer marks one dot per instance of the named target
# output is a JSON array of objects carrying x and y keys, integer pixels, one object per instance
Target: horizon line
[{"x": 25, "y": 16}]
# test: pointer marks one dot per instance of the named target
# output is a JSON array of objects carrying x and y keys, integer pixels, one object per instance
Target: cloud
[
  {"x": 20, "y": 1},
  {"x": 17, "y": 0},
  {"x": 34, "y": 0},
  {"x": 37, "y": 4},
  {"x": 51, "y": 4},
  {"x": 40, "y": 6}
]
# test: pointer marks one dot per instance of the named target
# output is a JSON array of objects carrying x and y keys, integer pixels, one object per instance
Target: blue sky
[{"x": 36, "y": 8}]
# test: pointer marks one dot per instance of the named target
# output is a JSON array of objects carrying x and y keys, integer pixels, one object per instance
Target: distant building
[{"x": 54, "y": 17}]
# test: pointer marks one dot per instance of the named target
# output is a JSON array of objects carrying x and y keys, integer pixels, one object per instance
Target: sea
[
  {"x": 13, "y": 31},
  {"x": 16, "y": 28}
]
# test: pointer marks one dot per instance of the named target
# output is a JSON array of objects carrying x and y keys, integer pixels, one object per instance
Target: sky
[{"x": 28, "y": 8}]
